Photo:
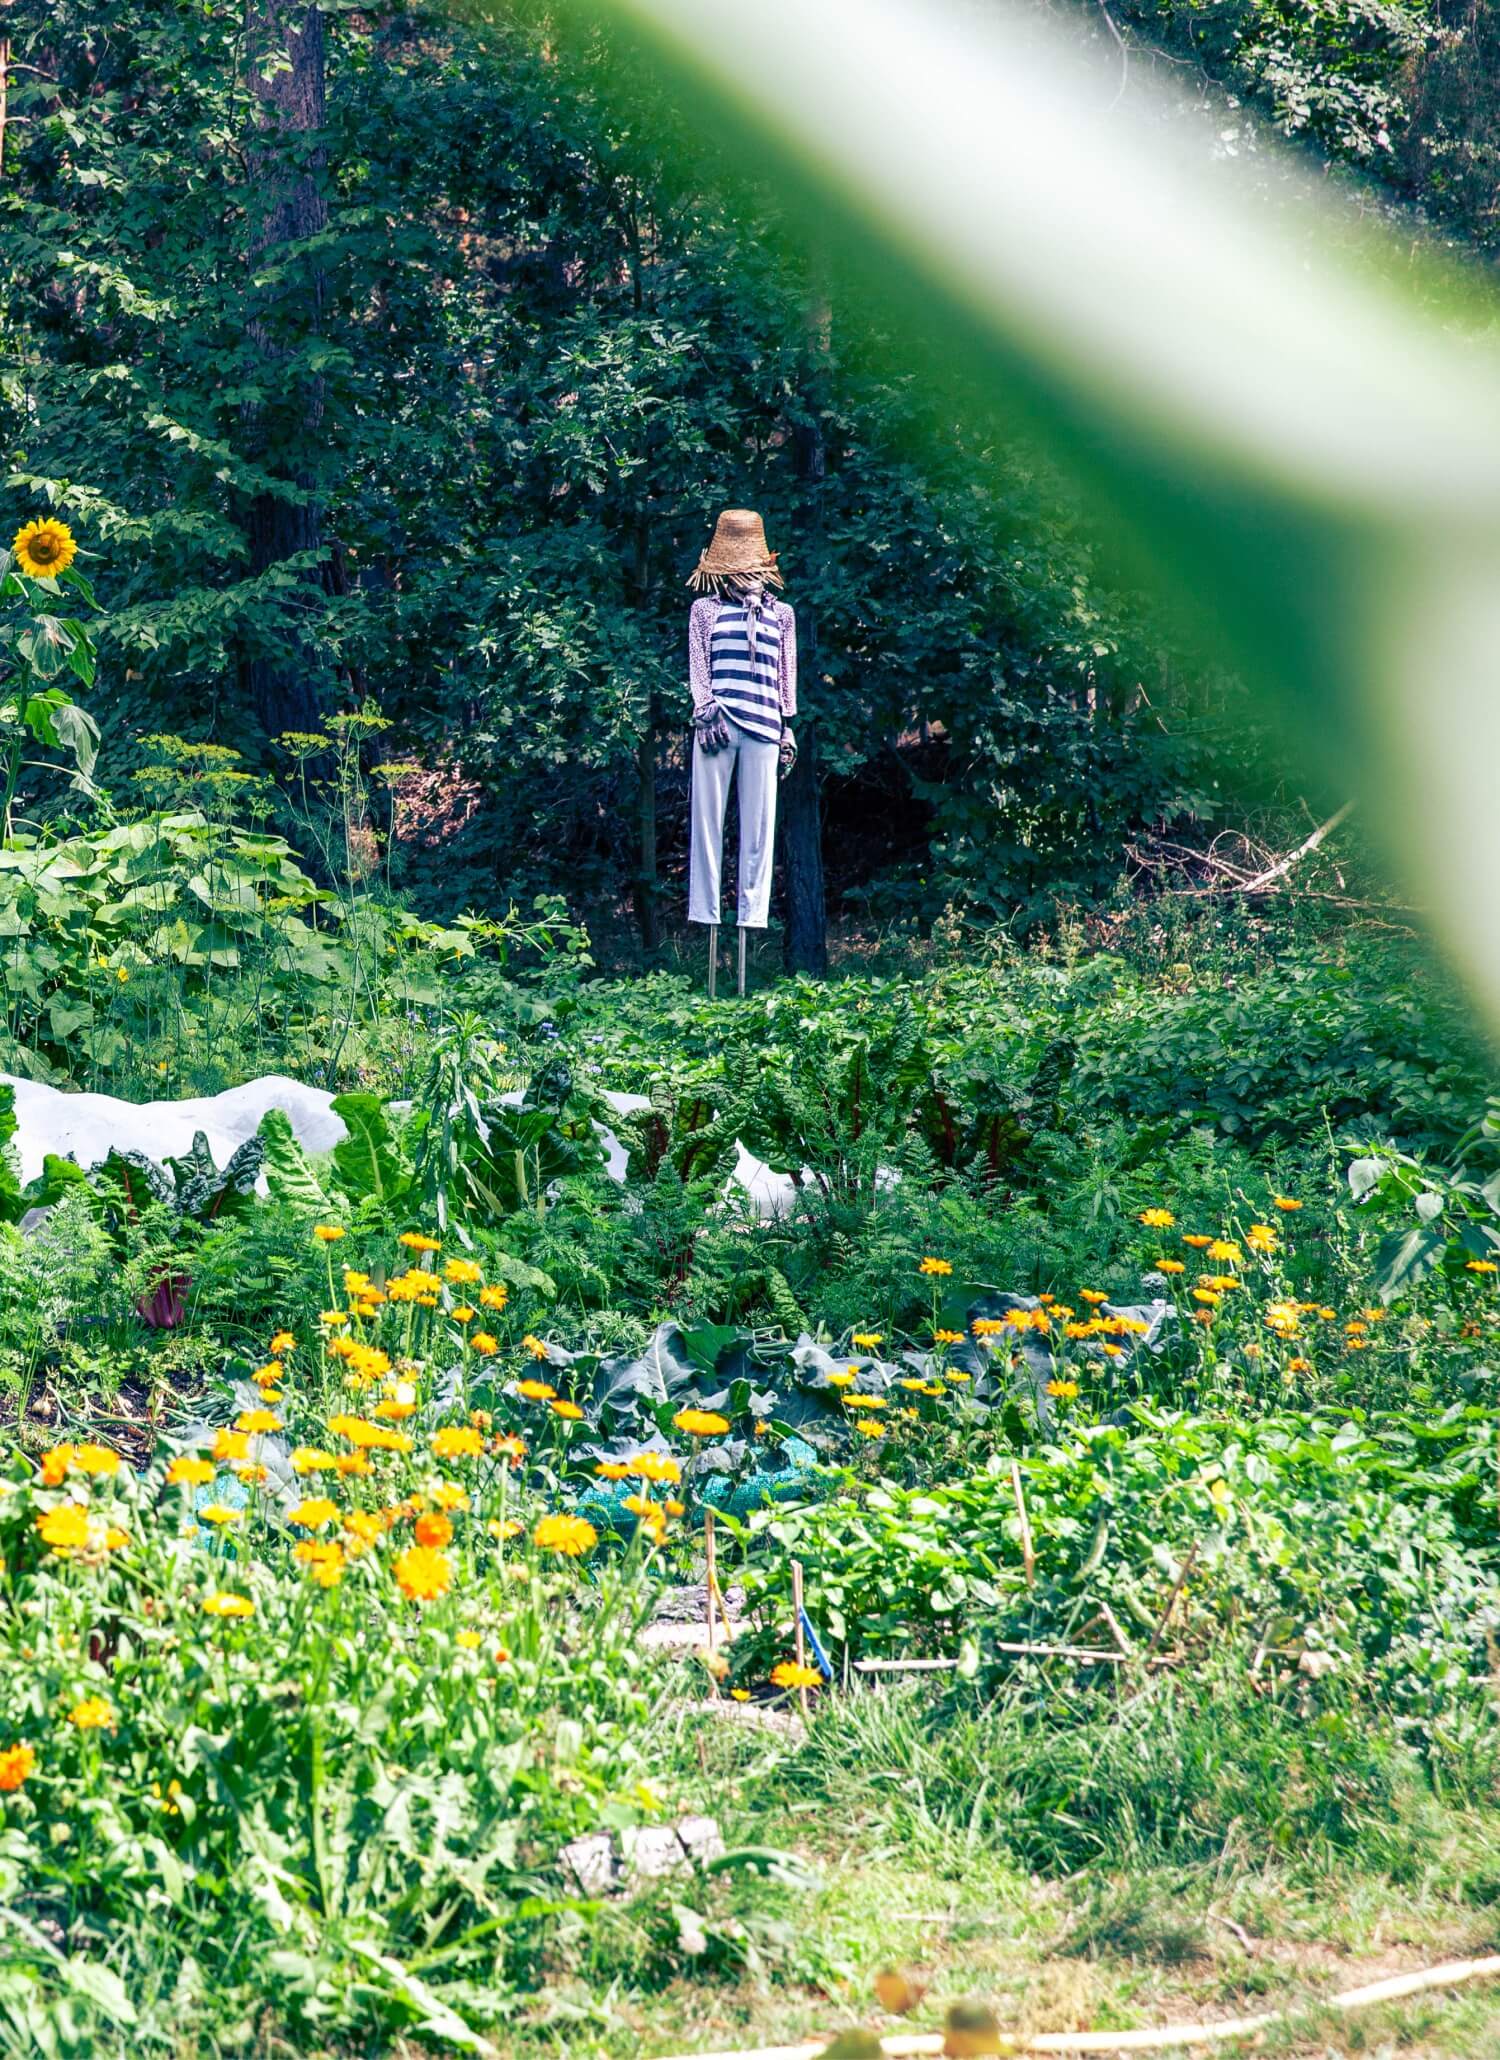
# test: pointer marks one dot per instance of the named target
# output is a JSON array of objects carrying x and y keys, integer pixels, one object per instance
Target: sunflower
[{"x": 44, "y": 549}]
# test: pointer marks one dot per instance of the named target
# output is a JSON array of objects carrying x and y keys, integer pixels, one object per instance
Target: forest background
[{"x": 407, "y": 370}]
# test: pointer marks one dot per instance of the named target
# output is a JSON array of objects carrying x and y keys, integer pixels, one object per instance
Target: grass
[{"x": 906, "y": 1841}]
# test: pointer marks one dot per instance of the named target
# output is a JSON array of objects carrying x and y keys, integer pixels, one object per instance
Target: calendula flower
[
  {"x": 864, "y": 1401},
  {"x": 228, "y": 1606},
  {"x": 92, "y": 1714},
  {"x": 511, "y": 1448},
  {"x": 660, "y": 1467},
  {"x": 1481, "y": 1266},
  {"x": 1197, "y": 1240},
  {"x": 867, "y": 1340},
  {"x": 1284, "y": 1202},
  {"x": 255, "y": 1422},
  {"x": 535, "y": 1391},
  {"x": 422, "y": 1573},
  {"x": 1260, "y": 1237},
  {"x": 700, "y": 1423},
  {"x": 468, "y": 1641},
  {"x": 187, "y": 1472},
  {"x": 462, "y": 1272},
  {"x": 44, "y": 548},
  {"x": 568, "y": 1411},
  {"x": 643, "y": 1507},
  {"x": 312, "y": 1459},
  {"x": 987, "y": 1326},
  {"x": 936, "y": 1269},
  {"x": 1169, "y": 1266},
  {"x": 323, "y": 1558},
  {"x": 956, "y": 1375},
  {"x": 1227, "y": 1253},
  {"x": 65, "y": 1528},
  {"x": 484, "y": 1343},
  {"x": 97, "y": 1460},
  {"x": 494, "y": 1297},
  {"x": 868, "y": 1428},
  {"x": 612, "y": 1469},
  {"x": 418, "y": 1241},
  {"x": 1209, "y": 1296},
  {"x": 329, "y": 1233},
  {"x": 314, "y": 1513},
  {"x": 363, "y": 1526},
  {"x": 504, "y": 1528},
  {"x": 947, "y": 1337},
  {"x": 17, "y": 1764},
  {"x": 1157, "y": 1219},
  {"x": 281, "y": 1343},
  {"x": 220, "y": 1513},
  {"x": 1062, "y": 1390},
  {"x": 462, "y": 1313},
  {"x": 457, "y": 1441},
  {"x": 789, "y": 1674},
  {"x": 1093, "y": 1296},
  {"x": 844, "y": 1377},
  {"x": 230, "y": 1445},
  {"x": 571, "y": 1536},
  {"x": 1299, "y": 1366},
  {"x": 334, "y": 1319},
  {"x": 433, "y": 1529}
]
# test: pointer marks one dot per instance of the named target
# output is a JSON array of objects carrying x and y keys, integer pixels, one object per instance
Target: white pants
[{"x": 757, "y": 762}]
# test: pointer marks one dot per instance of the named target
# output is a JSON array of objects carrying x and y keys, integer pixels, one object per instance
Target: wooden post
[
  {"x": 1166, "y": 1615},
  {"x": 1028, "y": 1557},
  {"x": 709, "y": 1580},
  {"x": 801, "y": 1641}
]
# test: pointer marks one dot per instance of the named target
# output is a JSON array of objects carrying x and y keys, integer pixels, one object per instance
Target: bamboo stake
[
  {"x": 801, "y": 1646},
  {"x": 1028, "y": 1557},
  {"x": 1167, "y": 2037}
]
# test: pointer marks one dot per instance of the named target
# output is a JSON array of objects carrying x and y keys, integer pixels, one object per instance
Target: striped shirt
[{"x": 757, "y": 690}]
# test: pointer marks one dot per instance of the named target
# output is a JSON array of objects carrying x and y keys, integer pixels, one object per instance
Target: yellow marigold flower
[
  {"x": 643, "y": 1507},
  {"x": 1481, "y": 1266},
  {"x": 612, "y": 1469},
  {"x": 935, "y": 1268},
  {"x": 257, "y": 1421},
  {"x": 911, "y": 1382},
  {"x": 363, "y": 1526},
  {"x": 433, "y": 1528},
  {"x": 700, "y": 1423},
  {"x": 987, "y": 1326},
  {"x": 570, "y": 1536},
  {"x": 1093, "y": 1296},
  {"x": 323, "y": 1558},
  {"x": 851, "y": 1402},
  {"x": 219, "y": 1513},
  {"x": 1113, "y": 1351},
  {"x": 934, "y": 1389},
  {"x": 457, "y": 1441},
  {"x": 535, "y": 1347},
  {"x": 1222, "y": 1283},
  {"x": 282, "y": 1342},
  {"x": 312, "y": 1459},
  {"x": 92, "y": 1714},
  {"x": 462, "y": 1273},
  {"x": 422, "y": 1573},
  {"x": 17, "y": 1763},
  {"x": 229, "y": 1445},
  {"x": 1157, "y": 1219},
  {"x": 1284, "y": 1202},
  {"x": 484, "y": 1343},
  {"x": 468, "y": 1641},
  {"x": 956, "y": 1375},
  {"x": 462, "y": 1313},
  {"x": 1210, "y": 1296},
  {"x": 312, "y": 1514},
  {"x": 1299, "y": 1365},
  {"x": 494, "y": 1297},
  {"x": 675, "y": 1508},
  {"x": 1282, "y": 1317},
  {"x": 844, "y": 1378},
  {"x": 660, "y": 1467},
  {"x": 44, "y": 548},
  {"x": 505, "y": 1527},
  {"x": 1328, "y": 1316},
  {"x": 355, "y": 1282},
  {"x": 55, "y": 1463},
  {"x": 329, "y": 1233},
  {"x": 1358, "y": 1344},
  {"x": 1169, "y": 1266},
  {"x": 867, "y": 1340},
  {"x": 1220, "y": 1497},
  {"x": 1197, "y": 1240},
  {"x": 228, "y": 1606},
  {"x": 790, "y": 1675},
  {"x": 1260, "y": 1237},
  {"x": 869, "y": 1427},
  {"x": 569, "y": 1411},
  {"x": 1063, "y": 1390},
  {"x": 1376, "y": 1315},
  {"x": 65, "y": 1528},
  {"x": 947, "y": 1337},
  {"x": 535, "y": 1391},
  {"x": 418, "y": 1241},
  {"x": 449, "y": 1495},
  {"x": 511, "y": 1448},
  {"x": 187, "y": 1472},
  {"x": 1227, "y": 1253},
  {"x": 98, "y": 1460},
  {"x": 353, "y": 1464}
]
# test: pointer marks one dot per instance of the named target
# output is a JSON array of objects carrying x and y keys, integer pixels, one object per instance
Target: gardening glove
[
  {"x": 711, "y": 728},
  {"x": 787, "y": 755}
]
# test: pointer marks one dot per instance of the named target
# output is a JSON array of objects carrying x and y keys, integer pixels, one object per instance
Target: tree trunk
[
  {"x": 805, "y": 944},
  {"x": 286, "y": 207}
]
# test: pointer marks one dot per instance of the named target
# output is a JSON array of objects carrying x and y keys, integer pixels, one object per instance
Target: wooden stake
[
  {"x": 709, "y": 1582},
  {"x": 1028, "y": 1557},
  {"x": 1166, "y": 1616},
  {"x": 741, "y": 988},
  {"x": 801, "y": 1645},
  {"x": 713, "y": 961}
]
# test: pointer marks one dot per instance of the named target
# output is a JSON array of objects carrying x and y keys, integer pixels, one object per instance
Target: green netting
[{"x": 605, "y": 1504}]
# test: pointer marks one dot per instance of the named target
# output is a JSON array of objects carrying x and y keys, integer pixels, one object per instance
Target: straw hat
[{"x": 739, "y": 546}]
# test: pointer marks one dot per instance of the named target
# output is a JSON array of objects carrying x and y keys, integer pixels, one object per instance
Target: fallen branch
[{"x": 1163, "y": 2039}]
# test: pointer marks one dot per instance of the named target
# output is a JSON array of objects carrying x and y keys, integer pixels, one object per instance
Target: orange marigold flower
[
  {"x": 255, "y": 1422},
  {"x": 187, "y": 1472},
  {"x": 569, "y": 1411},
  {"x": 328, "y": 1233},
  {"x": 484, "y": 1342},
  {"x": 494, "y": 1297},
  {"x": 17, "y": 1764},
  {"x": 423, "y": 1573},
  {"x": 660, "y": 1467},
  {"x": 700, "y": 1423},
  {"x": 569, "y": 1536},
  {"x": 231, "y": 1445},
  {"x": 535, "y": 1391},
  {"x": 457, "y": 1441},
  {"x": 433, "y": 1529},
  {"x": 1284, "y": 1202},
  {"x": 65, "y": 1528}
]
